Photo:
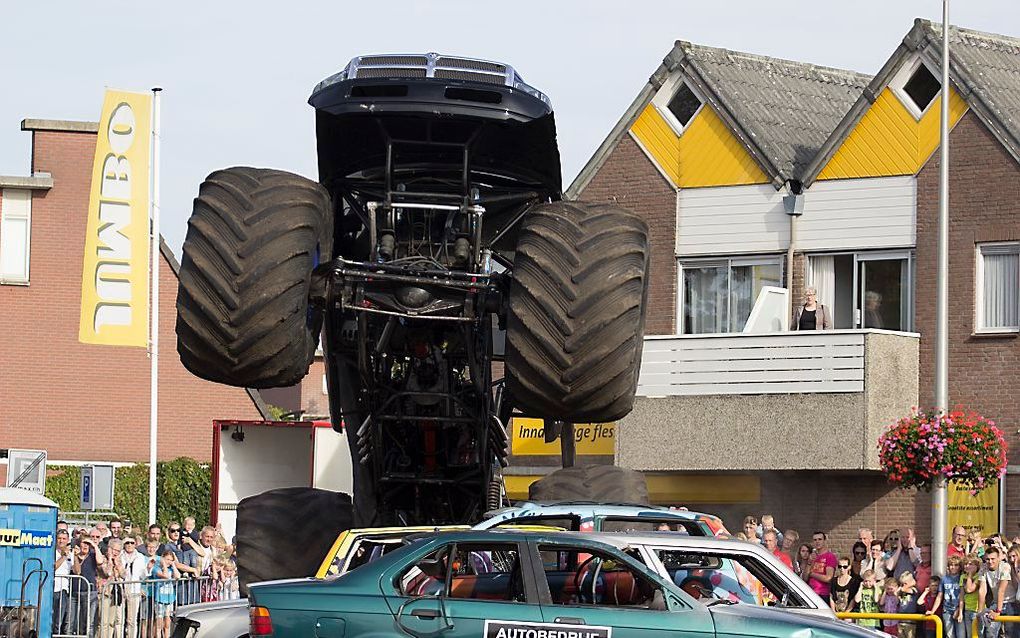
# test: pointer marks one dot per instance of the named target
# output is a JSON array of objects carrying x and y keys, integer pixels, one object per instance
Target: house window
[
  {"x": 677, "y": 102},
  {"x": 15, "y": 235},
  {"x": 916, "y": 87},
  {"x": 998, "y": 288},
  {"x": 922, "y": 87},
  {"x": 718, "y": 295},
  {"x": 865, "y": 289},
  {"x": 684, "y": 104}
]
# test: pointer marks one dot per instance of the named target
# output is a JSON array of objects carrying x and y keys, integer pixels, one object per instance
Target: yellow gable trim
[
  {"x": 889, "y": 141},
  {"x": 706, "y": 154}
]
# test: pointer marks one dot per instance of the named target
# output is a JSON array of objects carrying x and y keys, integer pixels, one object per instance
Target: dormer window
[
  {"x": 922, "y": 87},
  {"x": 916, "y": 87},
  {"x": 684, "y": 104}
]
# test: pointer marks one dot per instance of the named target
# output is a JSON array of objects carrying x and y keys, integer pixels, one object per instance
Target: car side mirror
[{"x": 433, "y": 568}]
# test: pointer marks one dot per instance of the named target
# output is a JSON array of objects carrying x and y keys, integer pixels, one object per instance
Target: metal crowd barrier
[
  {"x": 920, "y": 618},
  {"x": 127, "y": 609},
  {"x": 976, "y": 623}
]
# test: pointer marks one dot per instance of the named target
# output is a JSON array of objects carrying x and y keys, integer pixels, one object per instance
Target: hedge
[{"x": 183, "y": 488}]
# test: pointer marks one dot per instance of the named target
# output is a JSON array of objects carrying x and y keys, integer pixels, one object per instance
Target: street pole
[
  {"x": 154, "y": 306},
  {"x": 939, "y": 495}
]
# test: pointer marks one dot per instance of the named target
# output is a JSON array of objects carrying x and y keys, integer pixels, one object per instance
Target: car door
[
  {"x": 467, "y": 590},
  {"x": 606, "y": 594}
]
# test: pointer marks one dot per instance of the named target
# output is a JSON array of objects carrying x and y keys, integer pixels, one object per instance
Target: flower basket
[{"x": 961, "y": 446}]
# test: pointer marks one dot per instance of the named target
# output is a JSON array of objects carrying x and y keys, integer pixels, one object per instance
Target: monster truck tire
[
  {"x": 285, "y": 533},
  {"x": 577, "y": 312},
  {"x": 598, "y": 483},
  {"x": 243, "y": 315}
]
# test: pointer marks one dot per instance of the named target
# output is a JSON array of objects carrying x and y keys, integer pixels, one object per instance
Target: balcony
[{"x": 781, "y": 401}]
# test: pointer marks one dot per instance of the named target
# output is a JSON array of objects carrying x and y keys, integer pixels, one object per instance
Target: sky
[{"x": 236, "y": 76}]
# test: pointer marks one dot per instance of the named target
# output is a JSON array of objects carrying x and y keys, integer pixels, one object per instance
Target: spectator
[
  {"x": 823, "y": 567},
  {"x": 994, "y": 581},
  {"x": 975, "y": 545},
  {"x": 186, "y": 563},
  {"x": 949, "y": 599},
  {"x": 958, "y": 545},
  {"x": 844, "y": 587},
  {"x": 113, "y": 531},
  {"x": 129, "y": 529},
  {"x": 876, "y": 561},
  {"x": 890, "y": 604},
  {"x": 228, "y": 581},
  {"x": 789, "y": 546},
  {"x": 867, "y": 599},
  {"x": 922, "y": 571},
  {"x": 1011, "y": 606},
  {"x": 865, "y": 535},
  {"x": 116, "y": 528},
  {"x": 892, "y": 541},
  {"x": 751, "y": 529},
  {"x": 62, "y": 584},
  {"x": 62, "y": 525},
  {"x": 208, "y": 553},
  {"x": 103, "y": 529},
  {"x": 812, "y": 315},
  {"x": 189, "y": 528},
  {"x": 165, "y": 593},
  {"x": 803, "y": 563},
  {"x": 908, "y": 604},
  {"x": 769, "y": 523},
  {"x": 135, "y": 571},
  {"x": 859, "y": 554},
  {"x": 155, "y": 535},
  {"x": 905, "y": 555},
  {"x": 930, "y": 604},
  {"x": 970, "y": 591},
  {"x": 772, "y": 544},
  {"x": 83, "y": 590},
  {"x": 111, "y": 591}
]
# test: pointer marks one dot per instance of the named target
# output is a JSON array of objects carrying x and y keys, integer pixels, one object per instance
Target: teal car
[{"x": 506, "y": 584}]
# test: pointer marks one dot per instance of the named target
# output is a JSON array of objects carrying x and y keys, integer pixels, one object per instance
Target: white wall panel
[{"x": 851, "y": 214}]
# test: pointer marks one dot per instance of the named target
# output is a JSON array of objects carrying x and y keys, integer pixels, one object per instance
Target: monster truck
[{"x": 436, "y": 233}]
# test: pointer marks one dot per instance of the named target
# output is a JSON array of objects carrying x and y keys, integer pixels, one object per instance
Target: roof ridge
[
  {"x": 935, "y": 29},
  {"x": 689, "y": 47}
]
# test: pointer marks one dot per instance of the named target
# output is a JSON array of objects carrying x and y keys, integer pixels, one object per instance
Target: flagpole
[
  {"x": 940, "y": 492},
  {"x": 154, "y": 311}
]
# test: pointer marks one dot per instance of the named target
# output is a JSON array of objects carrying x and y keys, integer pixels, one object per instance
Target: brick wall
[
  {"x": 630, "y": 179},
  {"x": 837, "y": 504},
  {"x": 984, "y": 205},
  {"x": 87, "y": 402}
]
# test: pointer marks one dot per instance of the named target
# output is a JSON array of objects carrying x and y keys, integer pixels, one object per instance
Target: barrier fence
[
  {"x": 920, "y": 618},
  {"x": 127, "y": 609},
  {"x": 976, "y": 623}
]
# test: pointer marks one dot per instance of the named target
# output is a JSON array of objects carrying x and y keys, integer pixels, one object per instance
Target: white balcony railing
[{"x": 774, "y": 363}]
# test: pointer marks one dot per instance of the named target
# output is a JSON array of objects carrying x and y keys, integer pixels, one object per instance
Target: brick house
[
  {"x": 84, "y": 403},
  {"x": 853, "y": 161}
]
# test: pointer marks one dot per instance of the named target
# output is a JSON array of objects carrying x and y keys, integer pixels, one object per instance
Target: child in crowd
[
  {"x": 930, "y": 604},
  {"x": 867, "y": 598},
  {"x": 890, "y": 603},
  {"x": 949, "y": 598},
  {"x": 970, "y": 583},
  {"x": 166, "y": 593},
  {"x": 907, "y": 594}
]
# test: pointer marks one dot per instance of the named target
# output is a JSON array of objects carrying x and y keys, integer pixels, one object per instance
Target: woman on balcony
[{"x": 812, "y": 315}]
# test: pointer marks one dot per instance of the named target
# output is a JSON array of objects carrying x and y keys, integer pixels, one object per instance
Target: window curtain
[
  {"x": 1001, "y": 287},
  {"x": 705, "y": 299},
  {"x": 823, "y": 280}
]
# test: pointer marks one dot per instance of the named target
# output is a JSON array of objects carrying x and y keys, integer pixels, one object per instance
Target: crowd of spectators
[
  {"x": 113, "y": 582},
  {"x": 893, "y": 574}
]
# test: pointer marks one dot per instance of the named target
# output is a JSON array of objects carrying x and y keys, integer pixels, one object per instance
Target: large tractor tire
[
  {"x": 243, "y": 312},
  {"x": 286, "y": 533},
  {"x": 598, "y": 483},
  {"x": 577, "y": 312}
]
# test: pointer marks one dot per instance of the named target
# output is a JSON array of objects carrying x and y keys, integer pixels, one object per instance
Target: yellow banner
[
  {"x": 977, "y": 512},
  {"x": 115, "y": 283},
  {"x": 528, "y": 438}
]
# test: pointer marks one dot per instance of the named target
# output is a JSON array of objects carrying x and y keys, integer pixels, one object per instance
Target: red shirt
[
  {"x": 781, "y": 555},
  {"x": 955, "y": 551}
]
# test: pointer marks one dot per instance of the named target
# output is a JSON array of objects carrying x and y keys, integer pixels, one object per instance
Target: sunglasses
[
  {"x": 844, "y": 567},
  {"x": 859, "y": 553},
  {"x": 173, "y": 530}
]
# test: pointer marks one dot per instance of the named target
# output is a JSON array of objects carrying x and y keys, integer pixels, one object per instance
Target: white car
[{"x": 733, "y": 570}]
